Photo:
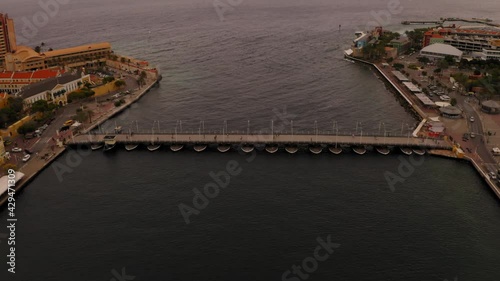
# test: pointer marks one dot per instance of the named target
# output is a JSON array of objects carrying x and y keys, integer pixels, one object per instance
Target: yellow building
[
  {"x": 26, "y": 59},
  {"x": 78, "y": 56}
]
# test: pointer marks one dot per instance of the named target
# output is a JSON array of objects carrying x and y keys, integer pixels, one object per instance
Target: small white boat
[
  {"x": 272, "y": 148},
  {"x": 315, "y": 149},
  {"x": 335, "y": 150},
  {"x": 291, "y": 149},
  {"x": 223, "y": 148},
  {"x": 96, "y": 146},
  {"x": 130, "y": 147},
  {"x": 153, "y": 147},
  {"x": 383, "y": 150},
  {"x": 176, "y": 147},
  {"x": 419, "y": 151},
  {"x": 405, "y": 150},
  {"x": 247, "y": 148},
  {"x": 109, "y": 142},
  {"x": 200, "y": 147},
  {"x": 359, "y": 150}
]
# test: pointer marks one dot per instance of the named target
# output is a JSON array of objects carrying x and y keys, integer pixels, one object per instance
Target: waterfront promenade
[
  {"x": 50, "y": 151},
  {"x": 480, "y": 158}
]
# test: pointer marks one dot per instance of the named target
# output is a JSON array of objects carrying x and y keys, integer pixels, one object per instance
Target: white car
[
  {"x": 493, "y": 176},
  {"x": 26, "y": 157},
  {"x": 472, "y": 119},
  {"x": 17, "y": 149},
  {"x": 445, "y": 98}
]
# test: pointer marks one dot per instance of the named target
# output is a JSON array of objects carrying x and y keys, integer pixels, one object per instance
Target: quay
[
  {"x": 252, "y": 140},
  {"x": 439, "y": 152},
  {"x": 37, "y": 165},
  {"x": 442, "y": 21}
]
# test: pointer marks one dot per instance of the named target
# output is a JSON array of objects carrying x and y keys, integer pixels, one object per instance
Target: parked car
[
  {"x": 26, "y": 158},
  {"x": 45, "y": 126},
  {"x": 7, "y": 142},
  {"x": 472, "y": 135},
  {"x": 445, "y": 98},
  {"x": 17, "y": 149},
  {"x": 492, "y": 175},
  {"x": 471, "y": 118},
  {"x": 68, "y": 123}
]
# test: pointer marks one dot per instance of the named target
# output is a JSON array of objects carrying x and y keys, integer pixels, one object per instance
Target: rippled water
[{"x": 268, "y": 60}]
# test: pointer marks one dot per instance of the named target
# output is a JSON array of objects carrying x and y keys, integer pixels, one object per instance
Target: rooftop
[
  {"x": 78, "y": 49},
  {"x": 444, "y": 49},
  {"x": 47, "y": 85}
]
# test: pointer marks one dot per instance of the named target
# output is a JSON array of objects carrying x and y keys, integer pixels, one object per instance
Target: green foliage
[
  {"x": 424, "y": 60},
  {"x": 398, "y": 66},
  {"x": 108, "y": 79},
  {"x": 12, "y": 112},
  {"x": 413, "y": 66},
  {"x": 26, "y": 128},
  {"x": 80, "y": 94},
  {"x": 120, "y": 83},
  {"x": 119, "y": 102},
  {"x": 40, "y": 106}
]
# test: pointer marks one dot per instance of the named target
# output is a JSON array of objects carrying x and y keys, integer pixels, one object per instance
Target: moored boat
[
  {"x": 130, "y": 147},
  {"x": 224, "y": 147},
  {"x": 96, "y": 146},
  {"x": 109, "y": 142},
  {"x": 406, "y": 150},
  {"x": 291, "y": 149},
  {"x": 315, "y": 149},
  {"x": 199, "y": 147},
  {"x": 359, "y": 150},
  {"x": 247, "y": 148},
  {"x": 272, "y": 148},
  {"x": 383, "y": 150},
  {"x": 418, "y": 151},
  {"x": 153, "y": 147},
  {"x": 335, "y": 150},
  {"x": 176, "y": 147}
]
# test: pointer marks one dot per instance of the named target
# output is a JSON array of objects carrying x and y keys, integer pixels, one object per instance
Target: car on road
[
  {"x": 472, "y": 135},
  {"x": 445, "y": 98},
  {"x": 17, "y": 149},
  {"x": 68, "y": 123},
  {"x": 44, "y": 127},
  {"x": 471, "y": 118},
  {"x": 492, "y": 175},
  {"x": 7, "y": 142},
  {"x": 26, "y": 157}
]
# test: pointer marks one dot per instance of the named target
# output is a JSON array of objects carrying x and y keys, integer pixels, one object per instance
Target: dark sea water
[{"x": 267, "y": 60}]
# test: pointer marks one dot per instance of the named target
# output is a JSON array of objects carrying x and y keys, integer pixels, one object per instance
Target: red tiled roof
[
  {"x": 44, "y": 74},
  {"x": 6, "y": 75},
  {"x": 22, "y": 75}
]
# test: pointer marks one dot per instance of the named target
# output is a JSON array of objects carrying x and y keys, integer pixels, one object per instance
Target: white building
[
  {"x": 490, "y": 54},
  {"x": 439, "y": 51},
  {"x": 54, "y": 90}
]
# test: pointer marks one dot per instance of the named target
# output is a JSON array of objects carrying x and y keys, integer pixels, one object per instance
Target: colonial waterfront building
[
  {"x": 53, "y": 90},
  {"x": 26, "y": 59},
  {"x": 12, "y": 81}
]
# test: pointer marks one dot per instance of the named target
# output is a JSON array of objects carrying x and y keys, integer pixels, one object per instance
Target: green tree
[
  {"x": 398, "y": 66},
  {"x": 40, "y": 106},
  {"x": 26, "y": 128},
  {"x": 120, "y": 83}
]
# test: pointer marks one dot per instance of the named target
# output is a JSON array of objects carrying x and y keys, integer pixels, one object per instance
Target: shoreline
[
  {"x": 60, "y": 150},
  {"x": 483, "y": 174}
]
